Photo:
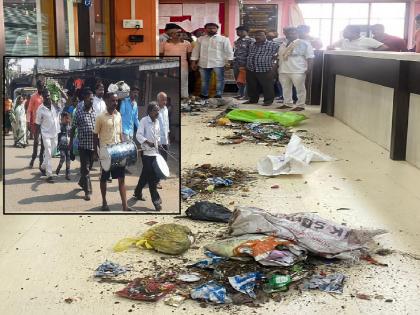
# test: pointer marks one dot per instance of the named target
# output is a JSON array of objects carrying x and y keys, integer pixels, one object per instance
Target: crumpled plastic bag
[
  {"x": 109, "y": 269},
  {"x": 332, "y": 283},
  {"x": 219, "y": 181},
  {"x": 286, "y": 119},
  {"x": 307, "y": 230},
  {"x": 263, "y": 248},
  {"x": 173, "y": 239},
  {"x": 146, "y": 289},
  {"x": 245, "y": 283},
  {"x": 211, "y": 291},
  {"x": 209, "y": 211},
  {"x": 208, "y": 263},
  {"x": 187, "y": 193},
  {"x": 295, "y": 160}
]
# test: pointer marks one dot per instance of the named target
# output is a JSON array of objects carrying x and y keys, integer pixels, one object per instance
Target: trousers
[
  {"x": 149, "y": 177},
  {"x": 49, "y": 146},
  {"x": 287, "y": 81}
]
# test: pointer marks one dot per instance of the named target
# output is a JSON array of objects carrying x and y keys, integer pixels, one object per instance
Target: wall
[
  {"x": 413, "y": 133},
  {"x": 366, "y": 108},
  {"x": 146, "y": 10}
]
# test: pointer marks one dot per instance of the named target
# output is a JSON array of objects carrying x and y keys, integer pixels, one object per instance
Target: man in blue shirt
[{"x": 129, "y": 114}]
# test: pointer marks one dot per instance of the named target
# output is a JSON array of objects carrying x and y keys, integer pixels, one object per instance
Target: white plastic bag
[
  {"x": 295, "y": 160},
  {"x": 309, "y": 231}
]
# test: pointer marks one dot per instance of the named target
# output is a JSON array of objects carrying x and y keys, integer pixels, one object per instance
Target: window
[
  {"x": 327, "y": 20},
  {"x": 29, "y": 27}
]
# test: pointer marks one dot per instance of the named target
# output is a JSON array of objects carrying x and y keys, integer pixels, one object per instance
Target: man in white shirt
[
  {"x": 295, "y": 59},
  {"x": 163, "y": 118},
  {"x": 211, "y": 53},
  {"x": 99, "y": 105},
  {"x": 353, "y": 41},
  {"x": 148, "y": 135},
  {"x": 48, "y": 124}
]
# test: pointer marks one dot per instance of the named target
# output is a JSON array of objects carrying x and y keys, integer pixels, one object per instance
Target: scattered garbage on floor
[
  {"x": 146, "y": 289},
  {"x": 212, "y": 292},
  {"x": 207, "y": 179},
  {"x": 187, "y": 193},
  {"x": 295, "y": 160},
  {"x": 109, "y": 269},
  {"x": 173, "y": 239},
  {"x": 329, "y": 283},
  {"x": 209, "y": 211}
]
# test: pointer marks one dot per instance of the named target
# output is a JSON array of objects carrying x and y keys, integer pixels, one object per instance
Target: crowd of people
[
  {"x": 96, "y": 121},
  {"x": 279, "y": 68}
]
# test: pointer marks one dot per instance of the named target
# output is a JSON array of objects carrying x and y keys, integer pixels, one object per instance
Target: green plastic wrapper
[{"x": 286, "y": 119}]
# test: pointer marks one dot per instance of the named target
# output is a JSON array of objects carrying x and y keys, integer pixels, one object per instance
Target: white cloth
[
  {"x": 212, "y": 52},
  {"x": 99, "y": 105},
  {"x": 287, "y": 80},
  {"x": 362, "y": 43},
  {"x": 184, "y": 83},
  {"x": 149, "y": 130},
  {"x": 164, "y": 125},
  {"x": 297, "y": 60},
  {"x": 48, "y": 120},
  {"x": 49, "y": 146}
]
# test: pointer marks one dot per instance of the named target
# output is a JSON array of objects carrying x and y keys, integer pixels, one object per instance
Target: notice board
[{"x": 259, "y": 16}]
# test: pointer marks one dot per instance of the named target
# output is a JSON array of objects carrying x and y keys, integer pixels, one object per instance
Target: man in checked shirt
[{"x": 260, "y": 69}]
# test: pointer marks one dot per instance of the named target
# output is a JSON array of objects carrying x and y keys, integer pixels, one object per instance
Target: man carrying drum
[
  {"x": 108, "y": 130},
  {"x": 148, "y": 135}
]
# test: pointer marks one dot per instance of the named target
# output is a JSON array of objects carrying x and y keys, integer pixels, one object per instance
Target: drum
[
  {"x": 118, "y": 155},
  {"x": 160, "y": 167}
]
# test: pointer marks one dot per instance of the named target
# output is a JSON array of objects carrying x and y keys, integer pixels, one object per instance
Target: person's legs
[
  {"x": 252, "y": 86},
  {"x": 152, "y": 180},
  {"x": 46, "y": 165},
  {"x": 85, "y": 159},
  {"x": 286, "y": 84},
  {"x": 62, "y": 160},
  {"x": 34, "y": 152},
  {"x": 298, "y": 80},
  {"x": 103, "y": 179},
  {"x": 41, "y": 152},
  {"x": 184, "y": 82},
  {"x": 123, "y": 193},
  {"x": 220, "y": 80},
  {"x": 265, "y": 79},
  {"x": 205, "y": 74},
  {"x": 68, "y": 164},
  {"x": 138, "y": 192}
]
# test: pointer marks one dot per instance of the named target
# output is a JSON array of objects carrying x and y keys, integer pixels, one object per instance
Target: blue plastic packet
[
  {"x": 208, "y": 262},
  {"x": 245, "y": 283},
  {"x": 109, "y": 269},
  {"x": 212, "y": 292},
  {"x": 219, "y": 181},
  {"x": 187, "y": 193}
]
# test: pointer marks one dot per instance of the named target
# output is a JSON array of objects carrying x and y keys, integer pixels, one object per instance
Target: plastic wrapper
[
  {"x": 173, "y": 239},
  {"x": 332, "y": 283},
  {"x": 307, "y": 230},
  {"x": 146, "y": 289},
  {"x": 246, "y": 283},
  {"x": 207, "y": 263},
  {"x": 209, "y": 211},
  {"x": 219, "y": 181},
  {"x": 263, "y": 116},
  {"x": 109, "y": 269},
  {"x": 295, "y": 160},
  {"x": 212, "y": 292},
  {"x": 187, "y": 193}
]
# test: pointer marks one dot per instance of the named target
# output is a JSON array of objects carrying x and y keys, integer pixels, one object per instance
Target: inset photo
[{"x": 91, "y": 135}]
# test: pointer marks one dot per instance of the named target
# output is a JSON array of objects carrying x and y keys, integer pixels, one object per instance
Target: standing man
[
  {"x": 108, "y": 130},
  {"x": 394, "y": 43},
  {"x": 84, "y": 121},
  {"x": 240, "y": 53},
  {"x": 295, "y": 58},
  {"x": 129, "y": 114},
  {"x": 99, "y": 105},
  {"x": 148, "y": 135},
  {"x": 259, "y": 73},
  {"x": 165, "y": 36},
  {"x": 34, "y": 103},
  {"x": 211, "y": 53},
  {"x": 48, "y": 124},
  {"x": 353, "y": 41}
]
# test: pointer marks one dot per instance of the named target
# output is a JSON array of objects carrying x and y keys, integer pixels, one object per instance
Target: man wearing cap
[
  {"x": 129, "y": 114},
  {"x": 170, "y": 26}
]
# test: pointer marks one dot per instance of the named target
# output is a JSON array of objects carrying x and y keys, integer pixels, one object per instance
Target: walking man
[
  {"x": 148, "y": 135},
  {"x": 211, "y": 53},
  {"x": 84, "y": 121},
  {"x": 108, "y": 130},
  {"x": 163, "y": 118},
  {"x": 48, "y": 125},
  {"x": 34, "y": 103},
  {"x": 129, "y": 114}
]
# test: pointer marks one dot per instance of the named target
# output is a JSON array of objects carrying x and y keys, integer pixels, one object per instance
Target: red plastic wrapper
[{"x": 146, "y": 289}]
